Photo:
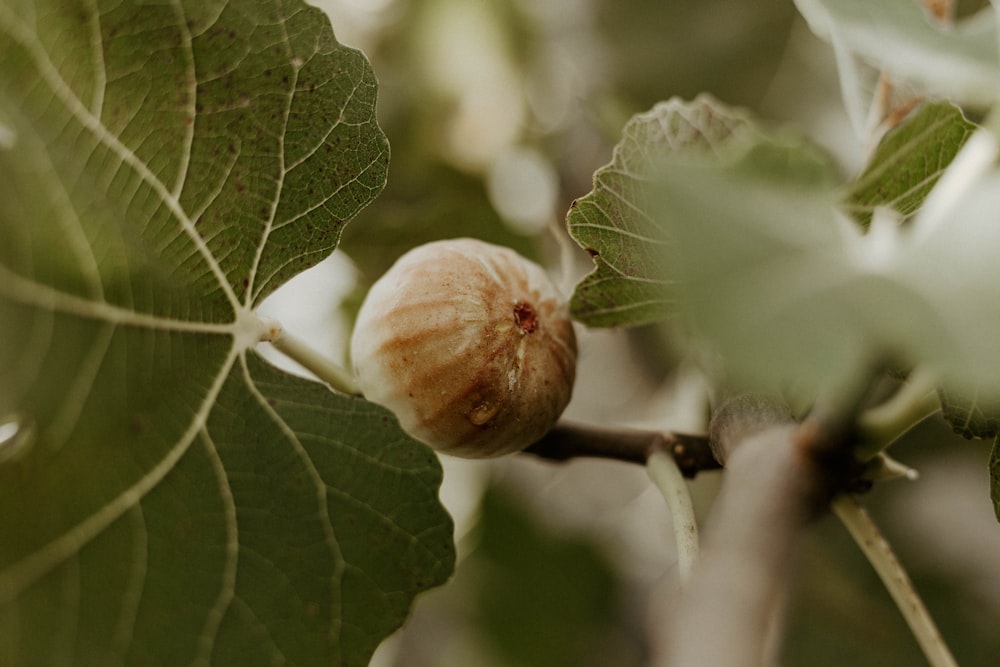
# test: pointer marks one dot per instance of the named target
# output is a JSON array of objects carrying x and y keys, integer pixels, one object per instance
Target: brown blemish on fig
[
  {"x": 483, "y": 412},
  {"x": 525, "y": 317}
]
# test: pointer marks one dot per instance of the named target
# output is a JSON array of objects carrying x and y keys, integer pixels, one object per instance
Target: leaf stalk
[
  {"x": 669, "y": 479},
  {"x": 875, "y": 547},
  {"x": 883, "y": 424},
  {"x": 337, "y": 377}
]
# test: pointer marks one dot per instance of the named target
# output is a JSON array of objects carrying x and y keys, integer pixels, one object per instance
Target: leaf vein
[
  {"x": 132, "y": 595},
  {"x": 227, "y": 590},
  {"x": 191, "y": 82},
  {"x": 29, "y": 292},
  {"x": 336, "y": 619}
]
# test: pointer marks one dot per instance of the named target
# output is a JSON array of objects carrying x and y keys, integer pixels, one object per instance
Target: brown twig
[{"x": 569, "y": 440}]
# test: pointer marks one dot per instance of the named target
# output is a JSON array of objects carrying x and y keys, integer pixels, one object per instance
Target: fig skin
[{"x": 470, "y": 345}]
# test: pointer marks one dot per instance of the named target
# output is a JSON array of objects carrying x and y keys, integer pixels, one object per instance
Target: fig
[{"x": 469, "y": 344}]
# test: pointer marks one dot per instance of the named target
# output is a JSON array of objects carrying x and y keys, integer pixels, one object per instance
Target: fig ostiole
[{"x": 469, "y": 344}]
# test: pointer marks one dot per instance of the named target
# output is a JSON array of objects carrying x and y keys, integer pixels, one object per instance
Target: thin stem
[
  {"x": 868, "y": 537},
  {"x": 667, "y": 477},
  {"x": 883, "y": 467},
  {"x": 884, "y": 424},
  {"x": 337, "y": 377}
]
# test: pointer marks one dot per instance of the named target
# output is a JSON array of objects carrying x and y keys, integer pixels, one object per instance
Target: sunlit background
[{"x": 498, "y": 113}]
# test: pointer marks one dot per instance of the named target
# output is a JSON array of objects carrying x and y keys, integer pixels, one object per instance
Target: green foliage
[
  {"x": 689, "y": 46},
  {"x": 616, "y": 224},
  {"x": 898, "y": 36},
  {"x": 450, "y": 205},
  {"x": 909, "y": 161},
  {"x": 694, "y": 187},
  {"x": 746, "y": 245},
  {"x": 542, "y": 598},
  {"x": 168, "y": 497}
]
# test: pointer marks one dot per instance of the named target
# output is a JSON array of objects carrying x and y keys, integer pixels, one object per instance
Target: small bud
[{"x": 469, "y": 344}]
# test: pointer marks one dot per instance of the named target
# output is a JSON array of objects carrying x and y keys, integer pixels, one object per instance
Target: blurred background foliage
[{"x": 498, "y": 112}]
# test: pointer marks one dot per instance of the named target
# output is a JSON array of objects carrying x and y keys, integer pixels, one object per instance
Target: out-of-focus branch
[
  {"x": 779, "y": 475},
  {"x": 569, "y": 440}
]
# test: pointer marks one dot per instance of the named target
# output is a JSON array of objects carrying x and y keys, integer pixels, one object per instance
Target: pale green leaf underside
[
  {"x": 960, "y": 62},
  {"x": 970, "y": 415},
  {"x": 169, "y": 498},
  {"x": 625, "y": 224},
  {"x": 630, "y": 282},
  {"x": 767, "y": 273},
  {"x": 790, "y": 294},
  {"x": 908, "y": 161}
]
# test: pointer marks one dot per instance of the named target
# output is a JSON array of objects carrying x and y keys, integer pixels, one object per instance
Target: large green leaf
[
  {"x": 909, "y": 160},
  {"x": 960, "y": 62},
  {"x": 165, "y": 496}
]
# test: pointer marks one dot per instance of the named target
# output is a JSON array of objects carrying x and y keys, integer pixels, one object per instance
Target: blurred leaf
[
  {"x": 747, "y": 246},
  {"x": 630, "y": 226},
  {"x": 960, "y": 62},
  {"x": 767, "y": 272},
  {"x": 970, "y": 415},
  {"x": 951, "y": 263},
  {"x": 168, "y": 498},
  {"x": 425, "y": 201},
  {"x": 909, "y": 160},
  {"x": 683, "y": 47},
  {"x": 541, "y": 598},
  {"x": 614, "y": 223},
  {"x": 995, "y": 477}
]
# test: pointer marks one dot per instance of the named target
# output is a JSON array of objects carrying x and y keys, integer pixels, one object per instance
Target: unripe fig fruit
[{"x": 469, "y": 344}]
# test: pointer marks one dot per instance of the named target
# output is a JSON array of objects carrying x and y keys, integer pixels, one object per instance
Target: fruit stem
[
  {"x": 569, "y": 440},
  {"x": 884, "y": 424},
  {"x": 875, "y": 547},
  {"x": 339, "y": 378},
  {"x": 667, "y": 477}
]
